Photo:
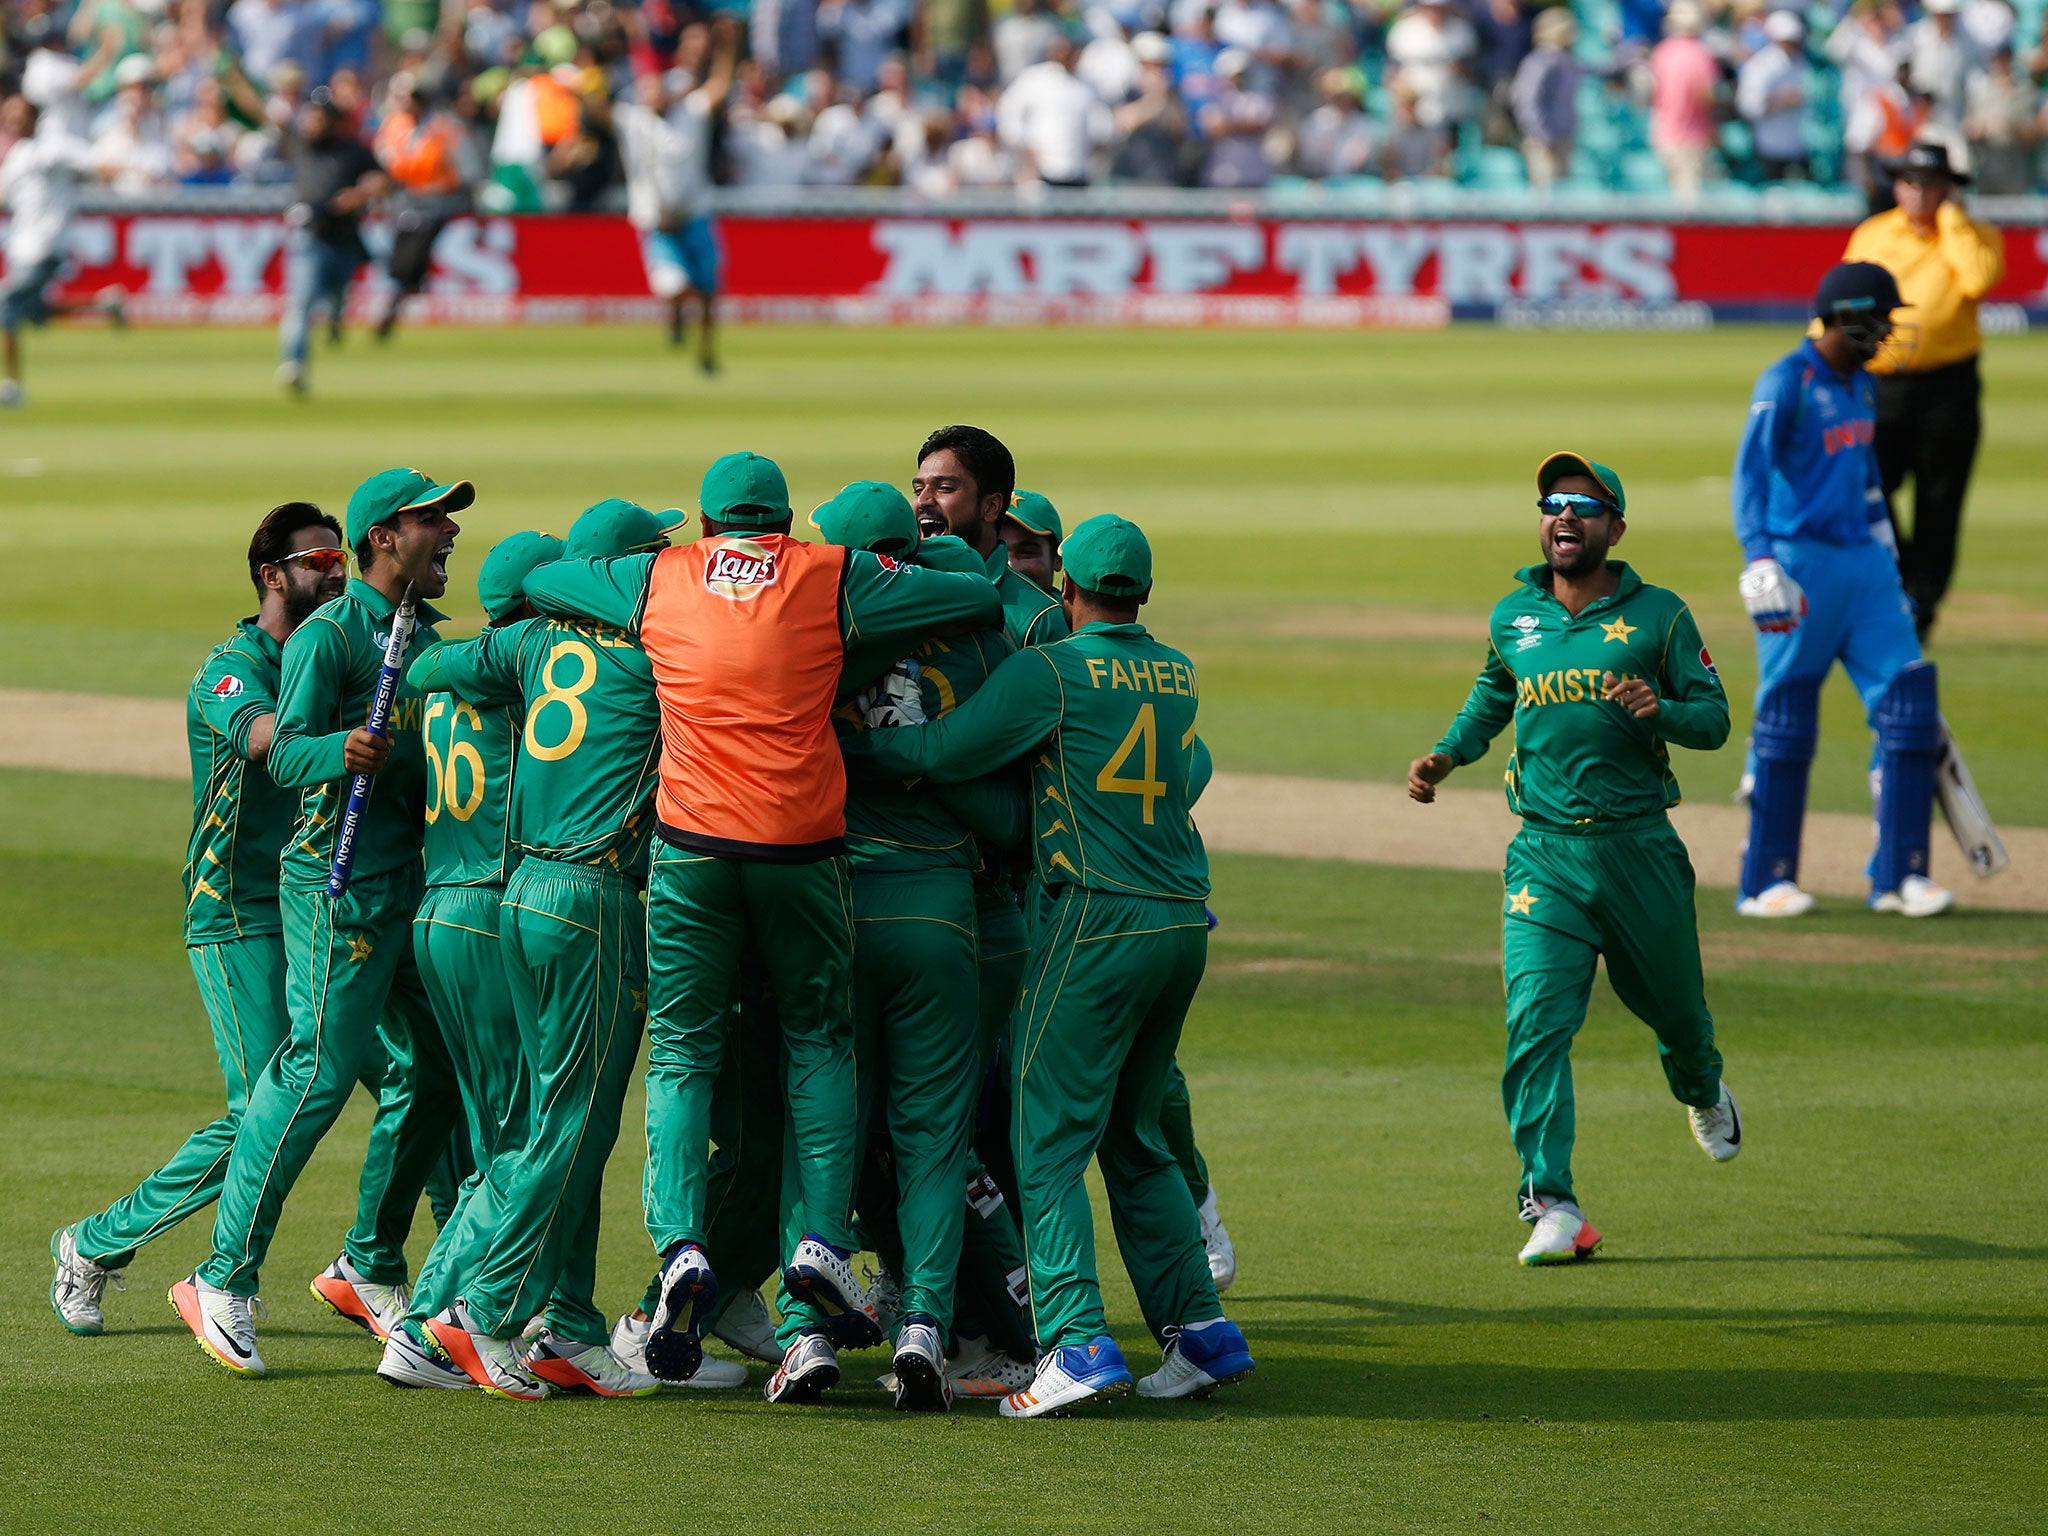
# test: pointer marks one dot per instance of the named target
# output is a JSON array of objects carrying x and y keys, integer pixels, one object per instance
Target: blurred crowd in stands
[{"x": 513, "y": 100}]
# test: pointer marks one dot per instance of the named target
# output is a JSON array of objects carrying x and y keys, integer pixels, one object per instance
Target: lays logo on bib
[{"x": 740, "y": 570}]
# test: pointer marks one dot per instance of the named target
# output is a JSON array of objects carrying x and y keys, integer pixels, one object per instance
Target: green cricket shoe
[{"x": 79, "y": 1284}]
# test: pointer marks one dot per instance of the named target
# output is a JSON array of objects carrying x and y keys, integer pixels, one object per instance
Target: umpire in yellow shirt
[{"x": 1927, "y": 386}]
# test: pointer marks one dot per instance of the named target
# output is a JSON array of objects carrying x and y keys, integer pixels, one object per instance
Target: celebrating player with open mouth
[{"x": 1598, "y": 670}]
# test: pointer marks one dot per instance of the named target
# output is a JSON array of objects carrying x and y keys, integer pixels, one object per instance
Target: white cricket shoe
[
  {"x": 922, "y": 1385},
  {"x": 979, "y": 1369},
  {"x": 1068, "y": 1375},
  {"x": 809, "y": 1369},
  {"x": 1198, "y": 1360},
  {"x": 821, "y": 1274},
  {"x": 1719, "y": 1129},
  {"x": 292, "y": 377},
  {"x": 409, "y": 1361},
  {"x": 79, "y": 1284},
  {"x": 1917, "y": 896},
  {"x": 747, "y": 1327},
  {"x": 1781, "y": 900},
  {"x": 674, "y": 1347},
  {"x": 629, "y": 1339},
  {"x": 343, "y": 1290},
  {"x": 1562, "y": 1235},
  {"x": 11, "y": 392},
  {"x": 587, "y": 1369},
  {"x": 492, "y": 1363},
  {"x": 1216, "y": 1239},
  {"x": 222, "y": 1322},
  {"x": 717, "y": 1374}
]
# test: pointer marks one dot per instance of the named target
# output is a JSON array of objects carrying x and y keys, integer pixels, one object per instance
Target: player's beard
[
  {"x": 301, "y": 596},
  {"x": 1579, "y": 562}
]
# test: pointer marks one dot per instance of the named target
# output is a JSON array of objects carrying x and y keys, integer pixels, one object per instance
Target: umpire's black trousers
[{"x": 1927, "y": 427}]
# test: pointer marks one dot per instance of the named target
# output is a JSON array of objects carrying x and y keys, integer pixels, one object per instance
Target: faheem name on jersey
[{"x": 1142, "y": 676}]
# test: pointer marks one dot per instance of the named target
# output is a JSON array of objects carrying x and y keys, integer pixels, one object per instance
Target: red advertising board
[{"x": 231, "y": 267}]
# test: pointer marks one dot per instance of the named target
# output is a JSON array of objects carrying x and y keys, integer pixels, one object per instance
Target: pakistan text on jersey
[
  {"x": 1149, "y": 677},
  {"x": 1570, "y": 685}
]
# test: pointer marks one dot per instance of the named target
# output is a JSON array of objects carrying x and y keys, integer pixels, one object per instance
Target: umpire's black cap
[
  {"x": 1857, "y": 287},
  {"x": 1925, "y": 160}
]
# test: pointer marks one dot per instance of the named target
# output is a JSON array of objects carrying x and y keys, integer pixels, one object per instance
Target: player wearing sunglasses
[
  {"x": 240, "y": 818},
  {"x": 1601, "y": 673}
]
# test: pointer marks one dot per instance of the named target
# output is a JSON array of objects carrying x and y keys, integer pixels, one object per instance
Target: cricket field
[{"x": 1844, "y": 1330}]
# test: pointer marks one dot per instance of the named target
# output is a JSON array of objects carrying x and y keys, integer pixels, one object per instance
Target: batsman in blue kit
[{"x": 1822, "y": 585}]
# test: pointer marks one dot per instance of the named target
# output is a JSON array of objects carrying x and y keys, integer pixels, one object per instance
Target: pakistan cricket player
[
  {"x": 574, "y": 952},
  {"x": 349, "y": 962},
  {"x": 240, "y": 818},
  {"x": 1599, "y": 671},
  {"x": 469, "y": 743},
  {"x": 1108, "y": 719},
  {"x": 916, "y": 976},
  {"x": 747, "y": 631}
]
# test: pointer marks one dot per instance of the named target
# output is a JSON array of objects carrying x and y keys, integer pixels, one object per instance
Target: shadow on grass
[
  {"x": 1360, "y": 1317},
  {"x": 1467, "y": 1393},
  {"x": 1911, "y": 1247}
]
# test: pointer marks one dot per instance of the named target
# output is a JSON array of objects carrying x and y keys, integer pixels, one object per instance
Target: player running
[
  {"x": 665, "y": 141},
  {"x": 39, "y": 180},
  {"x": 1115, "y": 962},
  {"x": 1822, "y": 584},
  {"x": 747, "y": 631},
  {"x": 357, "y": 1008},
  {"x": 233, "y": 935},
  {"x": 1599, "y": 671}
]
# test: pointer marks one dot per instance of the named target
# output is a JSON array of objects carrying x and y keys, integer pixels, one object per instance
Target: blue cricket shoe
[
  {"x": 1071, "y": 1374},
  {"x": 1200, "y": 1358}
]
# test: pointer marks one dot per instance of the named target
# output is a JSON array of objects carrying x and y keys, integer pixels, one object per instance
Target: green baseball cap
[
  {"x": 392, "y": 491},
  {"x": 616, "y": 526},
  {"x": 501, "y": 579},
  {"x": 944, "y": 552},
  {"x": 869, "y": 514},
  {"x": 1558, "y": 465},
  {"x": 1034, "y": 514},
  {"x": 744, "y": 489},
  {"x": 1109, "y": 555}
]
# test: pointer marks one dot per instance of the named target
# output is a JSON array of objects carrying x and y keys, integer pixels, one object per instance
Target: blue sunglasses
[{"x": 1557, "y": 503}]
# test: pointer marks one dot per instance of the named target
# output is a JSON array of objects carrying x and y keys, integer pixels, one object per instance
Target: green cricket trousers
[
  {"x": 701, "y": 911},
  {"x": 574, "y": 939},
  {"x": 916, "y": 999},
  {"x": 241, "y": 983},
  {"x": 1622, "y": 890},
  {"x": 1110, "y": 981},
  {"x": 459, "y": 954},
  {"x": 358, "y": 1014}
]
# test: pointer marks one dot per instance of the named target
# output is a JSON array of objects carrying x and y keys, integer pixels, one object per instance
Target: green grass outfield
[{"x": 1843, "y": 1331}]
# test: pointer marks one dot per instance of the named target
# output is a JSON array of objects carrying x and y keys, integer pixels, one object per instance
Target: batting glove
[
  {"x": 1775, "y": 603},
  {"x": 895, "y": 700}
]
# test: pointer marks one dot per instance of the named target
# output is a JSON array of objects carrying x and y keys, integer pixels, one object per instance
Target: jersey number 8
[{"x": 569, "y": 697}]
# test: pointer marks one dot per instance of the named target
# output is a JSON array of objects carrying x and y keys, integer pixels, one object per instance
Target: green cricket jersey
[
  {"x": 469, "y": 789},
  {"x": 589, "y": 746},
  {"x": 329, "y": 680},
  {"x": 1120, "y": 765},
  {"x": 1031, "y": 615},
  {"x": 240, "y": 817},
  {"x": 892, "y": 828},
  {"x": 1579, "y": 759}
]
